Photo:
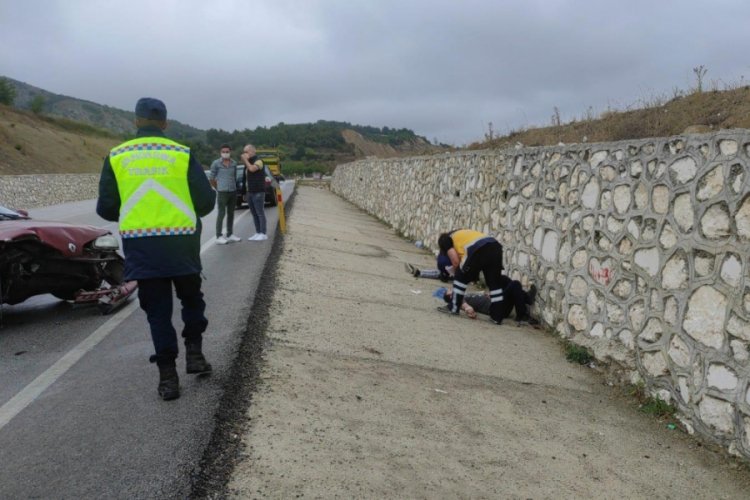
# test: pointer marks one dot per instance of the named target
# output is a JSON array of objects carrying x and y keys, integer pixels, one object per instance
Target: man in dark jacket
[
  {"x": 256, "y": 191},
  {"x": 158, "y": 191}
]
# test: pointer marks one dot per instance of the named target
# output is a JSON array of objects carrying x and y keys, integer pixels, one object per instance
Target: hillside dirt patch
[
  {"x": 366, "y": 147},
  {"x": 30, "y": 145}
]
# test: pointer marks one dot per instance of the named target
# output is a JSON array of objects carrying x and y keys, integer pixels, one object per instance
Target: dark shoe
[
  {"x": 409, "y": 268},
  {"x": 169, "y": 383},
  {"x": 446, "y": 310},
  {"x": 532, "y": 294},
  {"x": 195, "y": 362},
  {"x": 497, "y": 321},
  {"x": 528, "y": 321}
]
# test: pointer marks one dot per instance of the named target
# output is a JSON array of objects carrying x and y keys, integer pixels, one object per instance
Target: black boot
[
  {"x": 194, "y": 360},
  {"x": 531, "y": 295},
  {"x": 169, "y": 383}
]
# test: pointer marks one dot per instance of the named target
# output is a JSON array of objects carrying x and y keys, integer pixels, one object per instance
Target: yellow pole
[{"x": 280, "y": 206}]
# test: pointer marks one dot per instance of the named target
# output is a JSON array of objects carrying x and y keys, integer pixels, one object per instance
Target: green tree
[
  {"x": 37, "y": 104},
  {"x": 7, "y": 92}
]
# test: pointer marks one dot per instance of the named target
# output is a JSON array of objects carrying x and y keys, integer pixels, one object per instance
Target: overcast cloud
[{"x": 442, "y": 68}]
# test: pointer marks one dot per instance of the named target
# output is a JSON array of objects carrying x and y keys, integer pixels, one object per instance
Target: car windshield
[{"x": 8, "y": 214}]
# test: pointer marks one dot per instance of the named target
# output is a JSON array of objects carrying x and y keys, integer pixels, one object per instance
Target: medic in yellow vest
[{"x": 472, "y": 252}]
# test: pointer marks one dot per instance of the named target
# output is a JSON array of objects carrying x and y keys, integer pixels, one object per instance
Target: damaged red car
[{"x": 73, "y": 262}]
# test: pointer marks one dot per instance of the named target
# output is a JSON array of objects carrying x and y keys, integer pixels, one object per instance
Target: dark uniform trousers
[
  {"x": 514, "y": 296},
  {"x": 155, "y": 296},
  {"x": 488, "y": 259}
]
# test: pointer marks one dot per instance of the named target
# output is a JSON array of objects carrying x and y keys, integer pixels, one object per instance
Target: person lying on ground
[
  {"x": 516, "y": 298},
  {"x": 442, "y": 273}
]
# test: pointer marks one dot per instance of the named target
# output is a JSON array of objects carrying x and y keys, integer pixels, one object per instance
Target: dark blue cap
[
  {"x": 442, "y": 262},
  {"x": 151, "y": 109}
]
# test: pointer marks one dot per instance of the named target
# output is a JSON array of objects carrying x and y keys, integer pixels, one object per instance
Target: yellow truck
[{"x": 271, "y": 159}]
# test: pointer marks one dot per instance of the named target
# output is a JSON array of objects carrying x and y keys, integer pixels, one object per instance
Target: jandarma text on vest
[
  {"x": 148, "y": 171},
  {"x": 147, "y": 155}
]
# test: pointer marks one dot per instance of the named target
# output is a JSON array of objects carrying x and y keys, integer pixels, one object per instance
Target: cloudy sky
[{"x": 442, "y": 68}]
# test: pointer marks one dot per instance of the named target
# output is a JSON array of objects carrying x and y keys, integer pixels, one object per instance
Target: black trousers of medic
[
  {"x": 488, "y": 260},
  {"x": 155, "y": 296}
]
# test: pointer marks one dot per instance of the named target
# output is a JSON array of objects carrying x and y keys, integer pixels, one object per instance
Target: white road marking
[
  {"x": 28, "y": 394},
  {"x": 32, "y": 391}
]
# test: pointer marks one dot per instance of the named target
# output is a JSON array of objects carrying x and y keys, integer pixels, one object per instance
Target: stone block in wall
[
  {"x": 710, "y": 184},
  {"x": 715, "y": 222},
  {"x": 637, "y": 314},
  {"x": 721, "y": 377},
  {"x": 728, "y": 147},
  {"x": 736, "y": 178},
  {"x": 717, "y": 414},
  {"x": 577, "y": 318},
  {"x": 683, "y": 212},
  {"x": 675, "y": 273},
  {"x": 660, "y": 199},
  {"x": 704, "y": 263},
  {"x": 648, "y": 260},
  {"x": 668, "y": 237},
  {"x": 731, "y": 270},
  {"x": 683, "y": 170},
  {"x": 655, "y": 364},
  {"x": 738, "y": 327},
  {"x": 742, "y": 219},
  {"x": 704, "y": 320},
  {"x": 679, "y": 351}
]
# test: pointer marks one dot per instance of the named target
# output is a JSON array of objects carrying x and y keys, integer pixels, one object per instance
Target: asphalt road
[{"x": 79, "y": 412}]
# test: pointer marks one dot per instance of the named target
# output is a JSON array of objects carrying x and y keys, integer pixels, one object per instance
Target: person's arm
[
  {"x": 108, "y": 204},
  {"x": 453, "y": 256},
  {"x": 213, "y": 173},
  {"x": 204, "y": 197},
  {"x": 470, "y": 312},
  {"x": 251, "y": 167}
]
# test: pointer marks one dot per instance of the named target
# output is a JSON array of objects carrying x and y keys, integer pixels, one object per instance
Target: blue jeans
[{"x": 257, "y": 202}]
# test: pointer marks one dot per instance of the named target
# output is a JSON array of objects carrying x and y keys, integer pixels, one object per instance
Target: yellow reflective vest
[
  {"x": 155, "y": 199},
  {"x": 463, "y": 239}
]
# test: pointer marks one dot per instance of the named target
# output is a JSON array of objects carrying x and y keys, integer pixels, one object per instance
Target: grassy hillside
[
  {"x": 324, "y": 144},
  {"x": 118, "y": 121},
  {"x": 30, "y": 144},
  {"x": 34, "y": 144},
  {"x": 305, "y": 147},
  {"x": 697, "y": 112}
]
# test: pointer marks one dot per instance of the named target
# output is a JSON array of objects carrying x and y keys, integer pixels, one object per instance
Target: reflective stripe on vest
[{"x": 151, "y": 175}]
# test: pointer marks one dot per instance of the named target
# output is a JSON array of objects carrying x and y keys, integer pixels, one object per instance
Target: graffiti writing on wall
[{"x": 600, "y": 274}]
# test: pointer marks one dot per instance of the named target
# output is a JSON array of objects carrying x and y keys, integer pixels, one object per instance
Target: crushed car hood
[{"x": 69, "y": 239}]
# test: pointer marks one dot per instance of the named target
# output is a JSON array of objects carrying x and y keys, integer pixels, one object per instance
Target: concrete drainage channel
[{"x": 212, "y": 476}]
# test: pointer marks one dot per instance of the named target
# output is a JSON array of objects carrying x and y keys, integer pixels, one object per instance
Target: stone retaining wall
[
  {"x": 639, "y": 250},
  {"x": 29, "y": 191}
]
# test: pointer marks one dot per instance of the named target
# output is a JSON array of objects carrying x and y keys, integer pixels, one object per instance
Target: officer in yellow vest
[
  {"x": 158, "y": 191},
  {"x": 470, "y": 253}
]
